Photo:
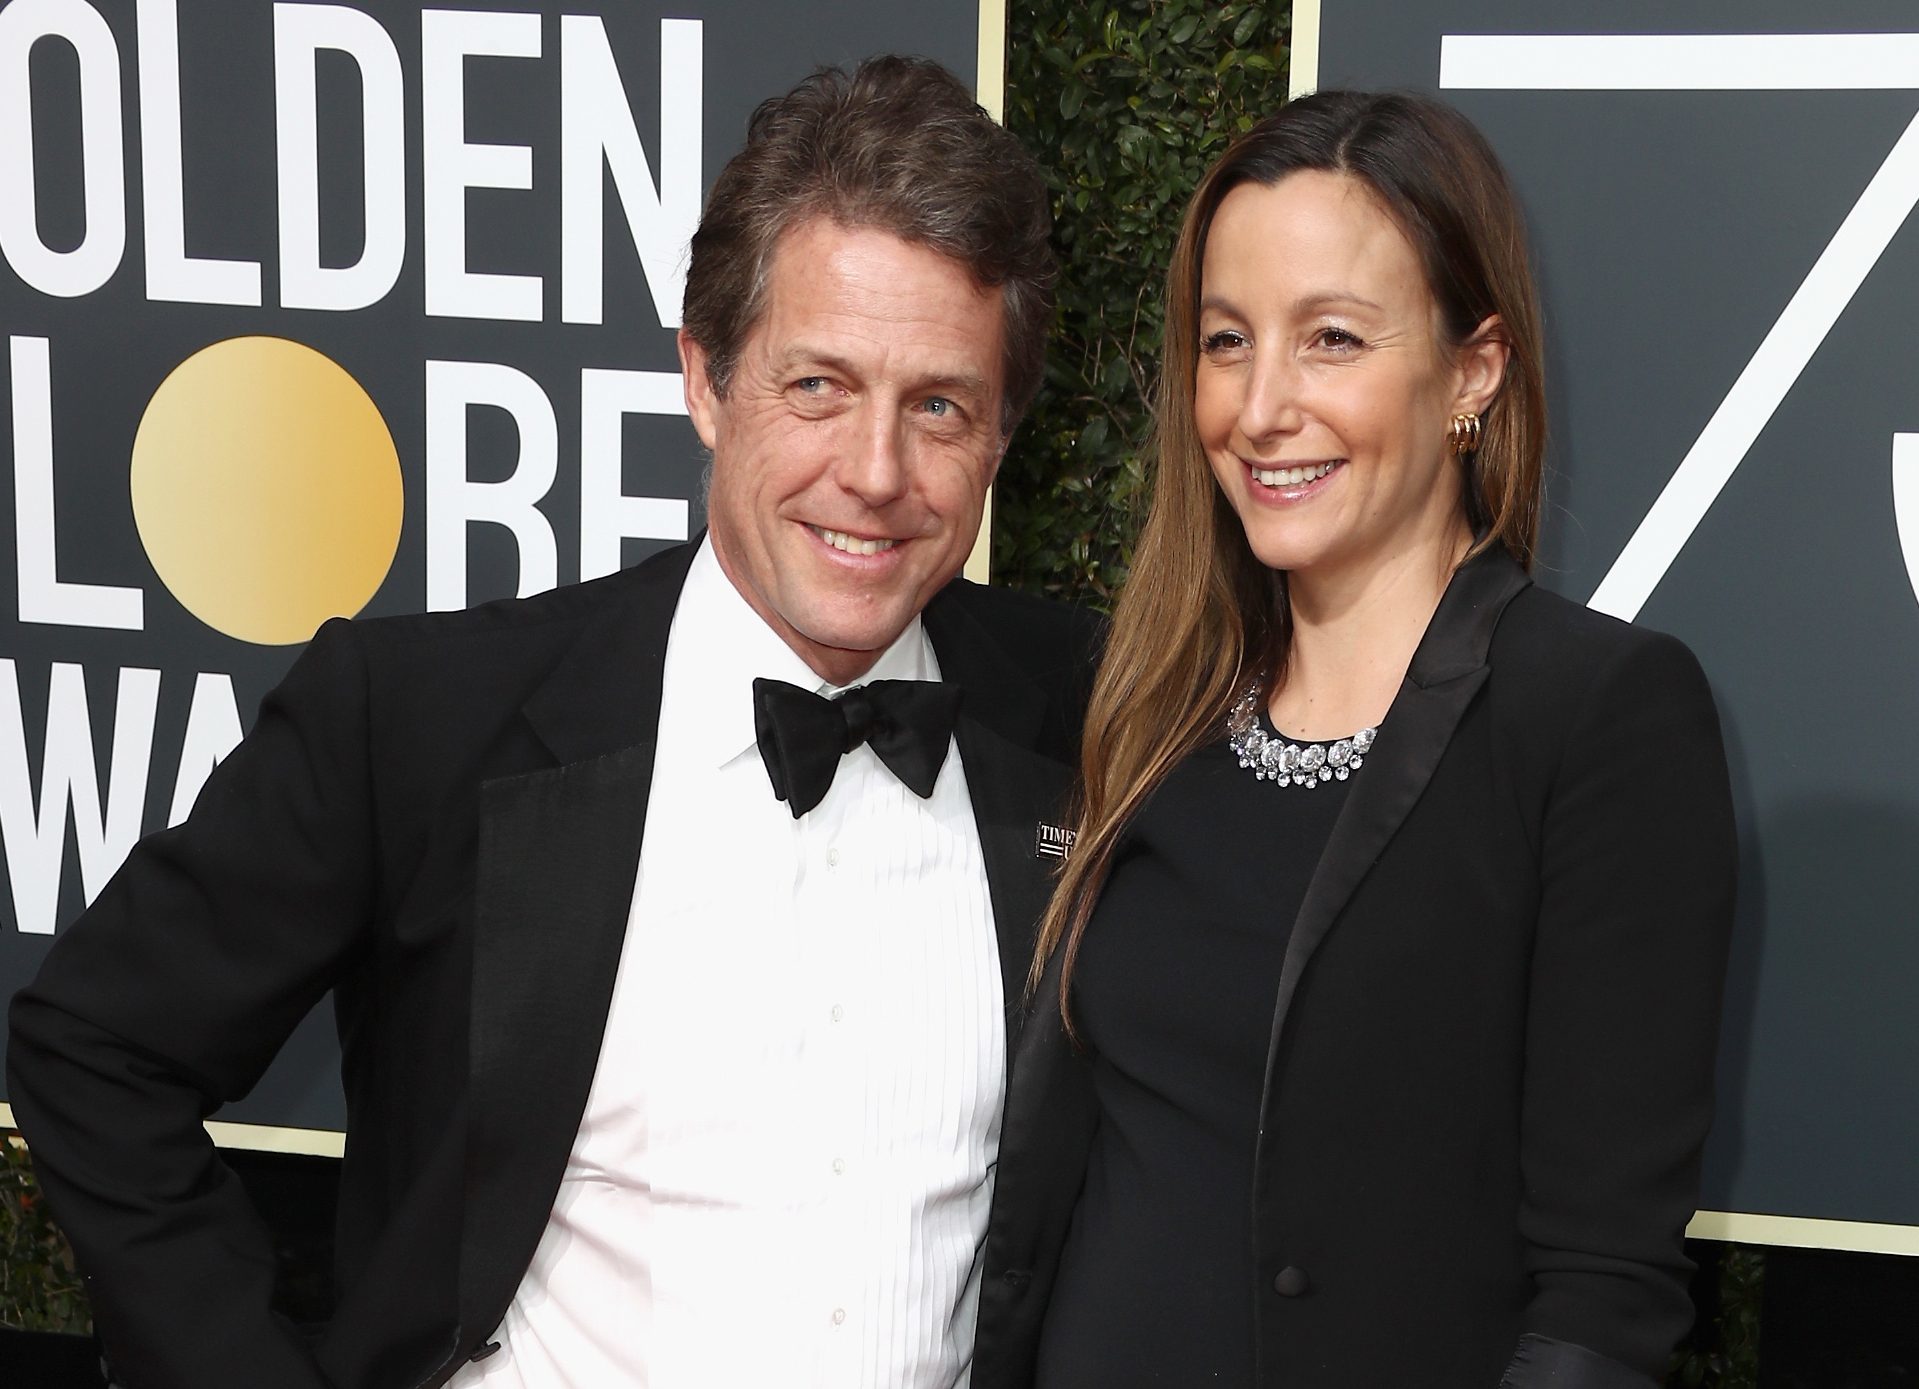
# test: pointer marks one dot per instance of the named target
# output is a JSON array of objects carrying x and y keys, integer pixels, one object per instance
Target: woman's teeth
[
  {"x": 1292, "y": 477},
  {"x": 853, "y": 544}
]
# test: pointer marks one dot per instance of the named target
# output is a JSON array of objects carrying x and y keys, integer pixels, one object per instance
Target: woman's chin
[{"x": 1289, "y": 550}]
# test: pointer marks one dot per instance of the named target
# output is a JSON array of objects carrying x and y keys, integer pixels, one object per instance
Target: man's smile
[{"x": 851, "y": 543}]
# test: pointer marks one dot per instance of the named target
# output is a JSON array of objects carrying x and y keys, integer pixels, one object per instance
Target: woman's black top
[{"x": 1173, "y": 993}]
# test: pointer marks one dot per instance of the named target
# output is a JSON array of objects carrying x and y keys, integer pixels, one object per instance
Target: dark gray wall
[
  {"x": 111, "y": 348},
  {"x": 1670, "y": 229}
]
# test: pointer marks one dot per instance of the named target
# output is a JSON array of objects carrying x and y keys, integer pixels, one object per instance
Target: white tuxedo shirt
[{"x": 785, "y": 1166}]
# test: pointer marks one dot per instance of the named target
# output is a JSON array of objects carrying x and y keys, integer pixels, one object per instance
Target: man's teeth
[
  {"x": 853, "y": 544},
  {"x": 1292, "y": 477}
]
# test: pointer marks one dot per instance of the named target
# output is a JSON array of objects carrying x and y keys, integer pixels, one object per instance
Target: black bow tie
[{"x": 803, "y": 735}]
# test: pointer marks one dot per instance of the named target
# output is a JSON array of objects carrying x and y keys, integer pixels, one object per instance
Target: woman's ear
[{"x": 1481, "y": 363}]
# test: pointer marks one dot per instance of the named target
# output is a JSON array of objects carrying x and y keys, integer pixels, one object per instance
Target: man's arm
[{"x": 168, "y": 998}]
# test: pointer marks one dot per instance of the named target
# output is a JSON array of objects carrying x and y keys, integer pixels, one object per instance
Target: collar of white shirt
[{"x": 719, "y": 646}]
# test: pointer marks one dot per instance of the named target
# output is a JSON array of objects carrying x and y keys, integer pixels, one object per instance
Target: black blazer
[
  {"x": 439, "y": 818},
  {"x": 1490, "y": 1069}
]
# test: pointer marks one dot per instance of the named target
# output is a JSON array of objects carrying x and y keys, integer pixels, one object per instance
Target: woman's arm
[{"x": 1637, "y": 855}]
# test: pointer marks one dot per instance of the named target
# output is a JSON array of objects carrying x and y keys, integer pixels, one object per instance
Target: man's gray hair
[{"x": 899, "y": 146}]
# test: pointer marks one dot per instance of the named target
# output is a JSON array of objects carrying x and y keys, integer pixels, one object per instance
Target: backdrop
[
  {"x": 1719, "y": 203},
  {"x": 308, "y": 309}
]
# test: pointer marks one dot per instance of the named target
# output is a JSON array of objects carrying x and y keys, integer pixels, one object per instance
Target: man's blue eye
[{"x": 939, "y": 406}]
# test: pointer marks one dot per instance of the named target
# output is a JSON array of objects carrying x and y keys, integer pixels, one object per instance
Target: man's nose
[{"x": 873, "y": 468}]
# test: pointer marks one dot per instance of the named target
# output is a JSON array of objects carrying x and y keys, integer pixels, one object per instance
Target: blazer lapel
[
  {"x": 1011, "y": 784},
  {"x": 558, "y": 855},
  {"x": 1446, "y": 672}
]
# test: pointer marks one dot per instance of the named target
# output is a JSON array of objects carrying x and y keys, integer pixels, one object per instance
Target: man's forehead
[
  {"x": 819, "y": 250},
  {"x": 851, "y": 297}
]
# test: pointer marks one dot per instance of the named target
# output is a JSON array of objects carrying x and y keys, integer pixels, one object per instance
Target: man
[{"x": 652, "y": 1077}]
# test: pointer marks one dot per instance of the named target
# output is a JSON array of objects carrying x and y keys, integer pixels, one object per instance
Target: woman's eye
[
  {"x": 1338, "y": 338},
  {"x": 1226, "y": 340}
]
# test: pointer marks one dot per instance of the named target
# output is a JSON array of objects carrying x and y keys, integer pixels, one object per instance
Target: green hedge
[
  {"x": 39, "y": 1288},
  {"x": 1125, "y": 105}
]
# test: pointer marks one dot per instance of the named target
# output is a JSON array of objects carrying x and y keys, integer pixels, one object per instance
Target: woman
[{"x": 1376, "y": 1008}]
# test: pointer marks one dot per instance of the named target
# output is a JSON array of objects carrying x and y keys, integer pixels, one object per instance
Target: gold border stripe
[
  {"x": 989, "y": 89},
  {"x": 264, "y": 1138},
  {"x": 1302, "y": 74},
  {"x": 979, "y": 560},
  {"x": 1731, "y": 1227},
  {"x": 260, "y": 1138},
  {"x": 1804, "y": 1232}
]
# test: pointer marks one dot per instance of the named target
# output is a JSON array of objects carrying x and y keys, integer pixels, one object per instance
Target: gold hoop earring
[{"x": 1463, "y": 434}]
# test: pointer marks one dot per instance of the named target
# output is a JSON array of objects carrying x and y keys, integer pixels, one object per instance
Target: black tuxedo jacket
[
  {"x": 1490, "y": 1068},
  {"x": 439, "y": 818}
]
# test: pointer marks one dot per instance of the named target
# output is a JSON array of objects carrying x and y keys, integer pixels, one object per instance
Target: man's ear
[
  {"x": 999, "y": 457},
  {"x": 1482, "y": 367},
  {"x": 702, "y": 405}
]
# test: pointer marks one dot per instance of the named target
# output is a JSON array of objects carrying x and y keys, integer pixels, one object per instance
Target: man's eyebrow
[
  {"x": 799, "y": 357},
  {"x": 958, "y": 383}
]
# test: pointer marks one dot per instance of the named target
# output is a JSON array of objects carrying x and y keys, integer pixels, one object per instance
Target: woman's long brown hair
[{"x": 1200, "y": 617}]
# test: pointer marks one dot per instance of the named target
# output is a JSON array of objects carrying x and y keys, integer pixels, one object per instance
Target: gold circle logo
[{"x": 266, "y": 489}]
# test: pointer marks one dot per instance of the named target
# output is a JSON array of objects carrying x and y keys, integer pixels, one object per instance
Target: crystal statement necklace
[{"x": 1275, "y": 759}]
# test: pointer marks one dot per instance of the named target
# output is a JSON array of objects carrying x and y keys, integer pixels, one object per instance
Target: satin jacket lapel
[
  {"x": 1447, "y": 670},
  {"x": 558, "y": 855},
  {"x": 1012, "y": 785},
  {"x": 1043, "y": 1052}
]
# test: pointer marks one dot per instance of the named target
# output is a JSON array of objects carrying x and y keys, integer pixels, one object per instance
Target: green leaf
[{"x": 1133, "y": 142}]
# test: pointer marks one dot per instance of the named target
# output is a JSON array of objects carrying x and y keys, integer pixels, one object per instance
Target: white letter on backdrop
[
  {"x": 36, "y": 844},
  {"x": 454, "y": 501},
  {"x": 450, "y": 166},
  {"x": 43, "y": 596},
  {"x": 608, "y": 515},
  {"x": 596, "y": 123},
  {"x": 172, "y": 274},
  {"x": 64, "y": 274},
  {"x": 299, "y": 32},
  {"x": 213, "y": 731}
]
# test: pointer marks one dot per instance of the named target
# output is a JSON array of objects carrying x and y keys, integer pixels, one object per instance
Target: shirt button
[
  {"x": 839, "y": 1315},
  {"x": 838, "y": 1012},
  {"x": 1291, "y": 1282},
  {"x": 832, "y": 858},
  {"x": 839, "y": 1167}
]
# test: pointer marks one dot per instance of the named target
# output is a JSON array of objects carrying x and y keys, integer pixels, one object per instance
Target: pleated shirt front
[{"x": 786, "y": 1160}]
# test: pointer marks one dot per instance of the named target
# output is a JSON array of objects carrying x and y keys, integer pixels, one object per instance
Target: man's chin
[{"x": 834, "y": 649}]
